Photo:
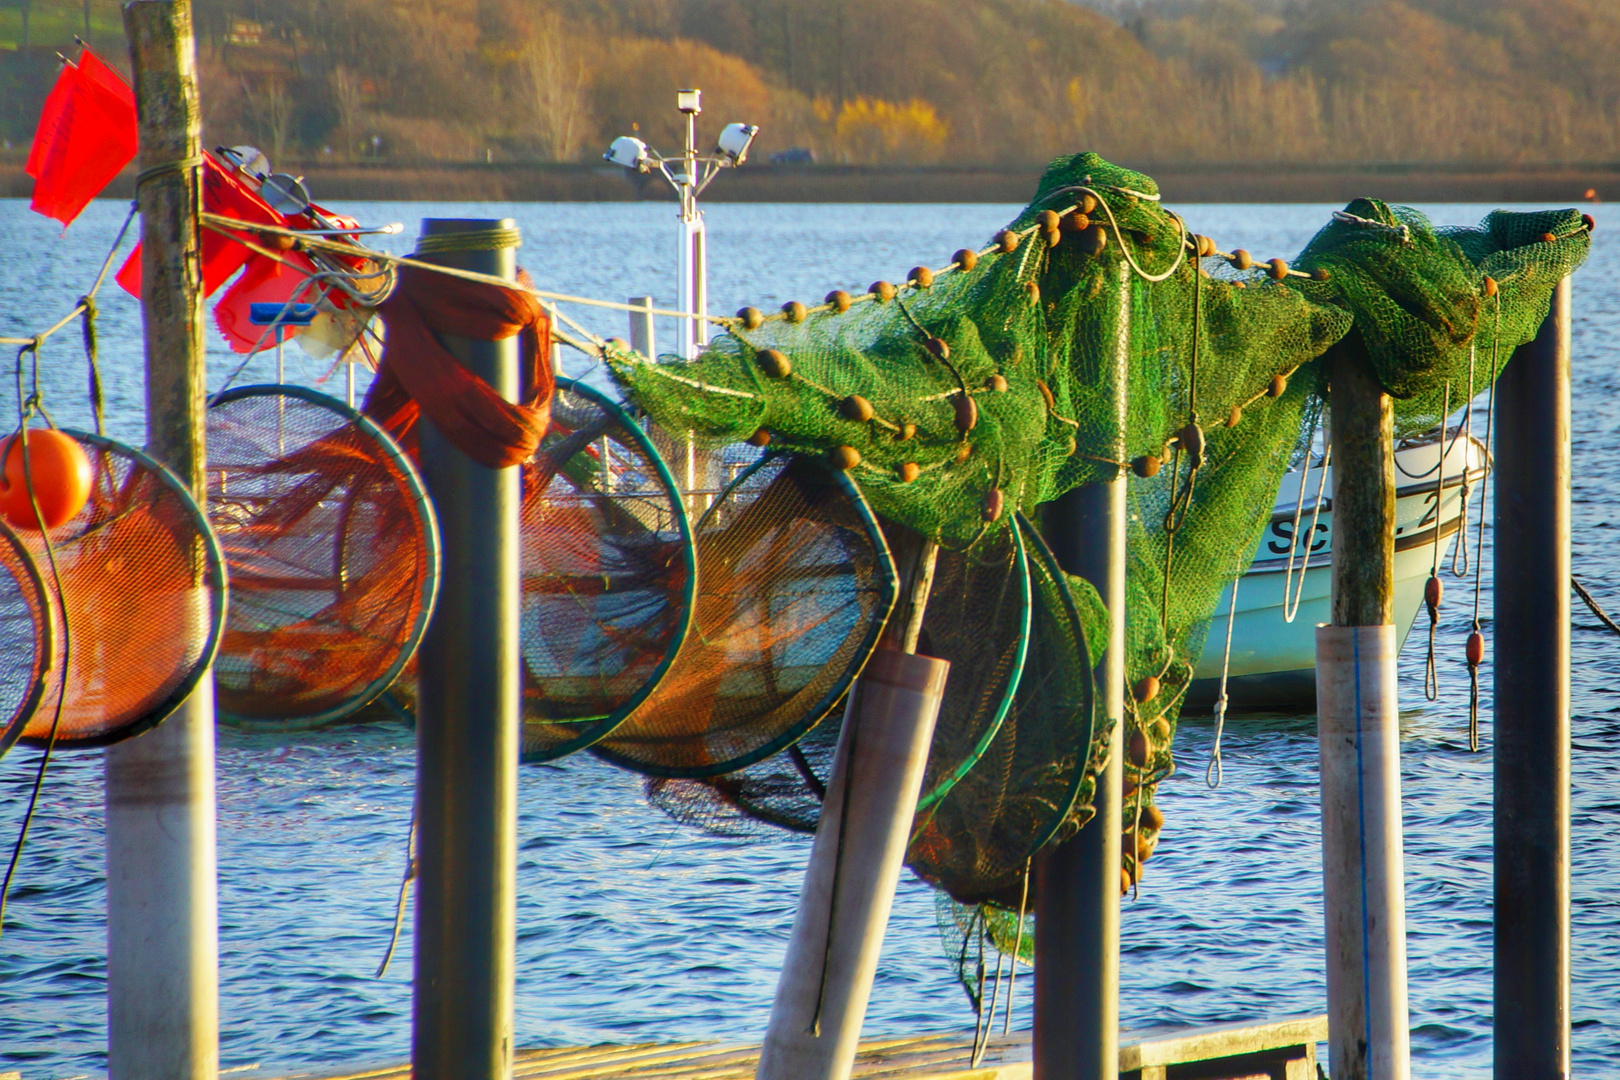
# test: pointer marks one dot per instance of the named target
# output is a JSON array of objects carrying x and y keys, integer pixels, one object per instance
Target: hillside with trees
[{"x": 920, "y": 81}]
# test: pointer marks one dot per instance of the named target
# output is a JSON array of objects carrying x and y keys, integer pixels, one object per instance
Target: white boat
[{"x": 1273, "y": 658}]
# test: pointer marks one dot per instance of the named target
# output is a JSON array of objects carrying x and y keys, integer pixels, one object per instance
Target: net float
[
  {"x": 1146, "y": 466},
  {"x": 760, "y": 437},
  {"x": 1159, "y": 731},
  {"x": 1433, "y": 590},
  {"x": 1204, "y": 245},
  {"x": 1235, "y": 417},
  {"x": 883, "y": 290},
  {"x": 794, "y": 311},
  {"x": 1124, "y": 881},
  {"x": 856, "y": 408},
  {"x": 1046, "y": 394},
  {"x": 1320, "y": 274},
  {"x": 1034, "y": 291},
  {"x": 965, "y": 259},
  {"x": 964, "y": 451},
  {"x": 994, "y": 502},
  {"x": 844, "y": 458},
  {"x": 1590, "y": 222},
  {"x": 61, "y": 475},
  {"x": 774, "y": 364},
  {"x": 996, "y": 384},
  {"x": 752, "y": 318},
  {"x": 1191, "y": 438},
  {"x": 1007, "y": 240},
  {"x": 1136, "y": 749},
  {"x": 1049, "y": 220},
  {"x": 1241, "y": 260},
  {"x": 938, "y": 347},
  {"x": 921, "y": 276},
  {"x": 1277, "y": 268},
  {"x": 908, "y": 472},
  {"x": 839, "y": 299},
  {"x": 1094, "y": 240},
  {"x": 1476, "y": 649},
  {"x": 1490, "y": 286},
  {"x": 1548, "y": 238},
  {"x": 1151, "y": 818},
  {"x": 1146, "y": 689},
  {"x": 1279, "y": 384},
  {"x": 1088, "y": 203},
  {"x": 1052, "y": 237},
  {"x": 906, "y": 433},
  {"x": 967, "y": 413},
  {"x": 1076, "y": 223}
]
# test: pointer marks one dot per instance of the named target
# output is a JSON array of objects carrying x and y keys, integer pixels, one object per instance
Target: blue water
[{"x": 633, "y": 928}]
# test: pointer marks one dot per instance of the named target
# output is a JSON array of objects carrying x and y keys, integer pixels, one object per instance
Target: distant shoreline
[{"x": 1560, "y": 184}]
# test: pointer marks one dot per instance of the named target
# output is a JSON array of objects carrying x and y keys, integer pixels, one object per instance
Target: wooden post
[
  {"x": 162, "y": 911},
  {"x": 467, "y": 722},
  {"x": 1358, "y": 733},
  {"x": 1530, "y": 679},
  {"x": 1076, "y": 1033}
]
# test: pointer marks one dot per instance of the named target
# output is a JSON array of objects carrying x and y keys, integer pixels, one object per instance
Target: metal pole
[
  {"x": 1358, "y": 734},
  {"x": 1531, "y": 685},
  {"x": 467, "y": 729},
  {"x": 643, "y": 338},
  {"x": 700, "y": 279},
  {"x": 162, "y": 903},
  {"x": 1078, "y": 883}
]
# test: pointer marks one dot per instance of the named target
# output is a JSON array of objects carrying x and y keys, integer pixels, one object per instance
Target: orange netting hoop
[{"x": 25, "y": 603}]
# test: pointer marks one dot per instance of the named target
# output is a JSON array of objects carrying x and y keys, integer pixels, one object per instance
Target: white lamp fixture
[{"x": 689, "y": 174}]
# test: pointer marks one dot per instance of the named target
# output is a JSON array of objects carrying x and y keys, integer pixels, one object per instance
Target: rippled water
[{"x": 632, "y": 928}]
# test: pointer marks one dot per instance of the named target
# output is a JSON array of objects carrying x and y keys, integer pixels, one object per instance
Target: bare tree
[
  {"x": 347, "y": 99},
  {"x": 271, "y": 108},
  {"x": 555, "y": 73}
]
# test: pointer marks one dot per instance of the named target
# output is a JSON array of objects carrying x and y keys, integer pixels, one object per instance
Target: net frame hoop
[
  {"x": 1044, "y": 552},
  {"x": 888, "y": 583},
  {"x": 430, "y": 540},
  {"x": 602, "y": 727},
  {"x": 1026, "y": 622},
  {"x": 44, "y": 635},
  {"x": 218, "y": 593}
]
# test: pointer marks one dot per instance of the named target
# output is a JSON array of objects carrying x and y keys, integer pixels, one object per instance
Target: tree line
[{"x": 911, "y": 81}]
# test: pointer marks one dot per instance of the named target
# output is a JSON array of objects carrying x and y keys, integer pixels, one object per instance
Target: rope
[
  {"x": 404, "y": 892},
  {"x": 179, "y": 165},
  {"x": 472, "y": 240},
  {"x": 853, "y": 720},
  {"x": 1291, "y": 608},
  {"x": 1432, "y": 589},
  {"x": 1461, "y": 550},
  {"x": 1018, "y": 948},
  {"x": 1603, "y": 616},
  {"x": 1474, "y": 652},
  {"x": 1216, "y": 771}
]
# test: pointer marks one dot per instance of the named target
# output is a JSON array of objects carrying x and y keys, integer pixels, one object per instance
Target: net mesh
[
  {"x": 332, "y": 550},
  {"x": 1098, "y": 334},
  {"x": 607, "y": 571},
  {"x": 142, "y": 601},
  {"x": 794, "y": 583},
  {"x": 25, "y": 636}
]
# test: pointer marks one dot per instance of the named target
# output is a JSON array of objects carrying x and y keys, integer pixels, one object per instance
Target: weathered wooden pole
[
  {"x": 162, "y": 906},
  {"x": 1078, "y": 883},
  {"x": 1530, "y": 680},
  {"x": 467, "y": 721},
  {"x": 1358, "y": 731}
]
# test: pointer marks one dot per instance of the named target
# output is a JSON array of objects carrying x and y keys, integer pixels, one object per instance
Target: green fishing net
[{"x": 1099, "y": 334}]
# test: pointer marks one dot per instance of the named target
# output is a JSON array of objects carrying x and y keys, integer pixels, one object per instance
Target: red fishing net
[
  {"x": 142, "y": 601},
  {"x": 333, "y": 555},
  {"x": 608, "y": 574},
  {"x": 794, "y": 584}
]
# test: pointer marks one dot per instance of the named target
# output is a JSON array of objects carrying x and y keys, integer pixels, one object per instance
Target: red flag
[{"x": 86, "y": 135}]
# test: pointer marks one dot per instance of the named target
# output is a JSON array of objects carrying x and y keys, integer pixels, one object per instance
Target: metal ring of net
[
  {"x": 142, "y": 600},
  {"x": 333, "y": 552},
  {"x": 609, "y": 573},
  {"x": 795, "y": 582},
  {"x": 976, "y": 842},
  {"x": 26, "y": 637}
]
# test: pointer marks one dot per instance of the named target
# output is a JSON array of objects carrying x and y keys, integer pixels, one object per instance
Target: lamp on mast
[{"x": 689, "y": 174}]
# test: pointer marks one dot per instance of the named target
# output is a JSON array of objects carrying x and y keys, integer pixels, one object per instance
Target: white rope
[
  {"x": 1216, "y": 771},
  {"x": 1291, "y": 608}
]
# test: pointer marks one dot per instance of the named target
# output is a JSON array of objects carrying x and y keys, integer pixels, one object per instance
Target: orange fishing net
[
  {"x": 608, "y": 574},
  {"x": 26, "y": 639},
  {"x": 794, "y": 584},
  {"x": 143, "y": 600},
  {"x": 333, "y": 555}
]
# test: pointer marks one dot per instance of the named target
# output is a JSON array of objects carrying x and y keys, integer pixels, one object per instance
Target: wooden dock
[{"x": 1275, "y": 1050}]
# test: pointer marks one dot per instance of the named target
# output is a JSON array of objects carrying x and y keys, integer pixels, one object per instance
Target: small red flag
[{"x": 86, "y": 135}]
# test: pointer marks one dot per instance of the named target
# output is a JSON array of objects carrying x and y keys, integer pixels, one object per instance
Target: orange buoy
[
  {"x": 883, "y": 290},
  {"x": 839, "y": 299},
  {"x": 1476, "y": 649},
  {"x": 921, "y": 276},
  {"x": 938, "y": 347},
  {"x": 994, "y": 502},
  {"x": 794, "y": 310},
  {"x": 909, "y": 471},
  {"x": 1146, "y": 466},
  {"x": 61, "y": 475},
  {"x": 760, "y": 437},
  {"x": 1007, "y": 240},
  {"x": 1146, "y": 689}
]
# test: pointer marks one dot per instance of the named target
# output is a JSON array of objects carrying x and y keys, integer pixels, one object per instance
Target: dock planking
[{"x": 1274, "y": 1050}]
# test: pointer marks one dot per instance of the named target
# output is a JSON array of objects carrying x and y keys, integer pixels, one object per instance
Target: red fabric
[
  {"x": 264, "y": 281},
  {"x": 86, "y": 135},
  {"x": 223, "y": 193},
  {"x": 418, "y": 375}
]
